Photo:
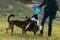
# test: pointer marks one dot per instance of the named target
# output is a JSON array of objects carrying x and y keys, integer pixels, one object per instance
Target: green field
[{"x": 22, "y": 12}]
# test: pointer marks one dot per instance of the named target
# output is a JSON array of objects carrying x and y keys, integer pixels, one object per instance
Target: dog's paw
[
  {"x": 22, "y": 34},
  {"x": 6, "y": 32}
]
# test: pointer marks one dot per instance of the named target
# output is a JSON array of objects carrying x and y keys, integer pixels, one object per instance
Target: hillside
[{"x": 11, "y": 6}]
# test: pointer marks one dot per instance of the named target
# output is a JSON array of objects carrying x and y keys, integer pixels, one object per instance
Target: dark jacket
[
  {"x": 51, "y": 7},
  {"x": 49, "y": 4}
]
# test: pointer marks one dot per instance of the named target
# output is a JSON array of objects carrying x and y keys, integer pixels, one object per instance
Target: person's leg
[
  {"x": 42, "y": 23},
  {"x": 50, "y": 26}
]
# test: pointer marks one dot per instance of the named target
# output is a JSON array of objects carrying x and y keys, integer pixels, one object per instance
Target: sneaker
[
  {"x": 41, "y": 32},
  {"x": 41, "y": 27},
  {"x": 49, "y": 35}
]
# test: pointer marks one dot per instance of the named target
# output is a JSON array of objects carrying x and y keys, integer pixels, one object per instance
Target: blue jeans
[{"x": 45, "y": 16}]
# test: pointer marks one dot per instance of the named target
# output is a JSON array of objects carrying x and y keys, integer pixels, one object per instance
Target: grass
[
  {"x": 29, "y": 36},
  {"x": 22, "y": 11}
]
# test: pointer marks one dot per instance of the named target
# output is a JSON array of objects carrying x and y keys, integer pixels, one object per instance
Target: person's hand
[{"x": 37, "y": 10}]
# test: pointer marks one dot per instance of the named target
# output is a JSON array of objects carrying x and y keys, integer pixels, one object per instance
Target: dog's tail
[{"x": 8, "y": 17}]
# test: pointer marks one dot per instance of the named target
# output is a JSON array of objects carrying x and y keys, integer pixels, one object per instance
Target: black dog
[{"x": 33, "y": 24}]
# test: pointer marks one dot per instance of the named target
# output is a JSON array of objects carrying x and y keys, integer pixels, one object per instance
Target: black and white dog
[{"x": 33, "y": 24}]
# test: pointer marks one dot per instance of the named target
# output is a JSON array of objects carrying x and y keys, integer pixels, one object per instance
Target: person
[{"x": 50, "y": 11}]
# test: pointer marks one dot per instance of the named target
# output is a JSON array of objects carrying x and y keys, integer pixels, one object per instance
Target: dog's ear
[
  {"x": 27, "y": 17},
  {"x": 30, "y": 18}
]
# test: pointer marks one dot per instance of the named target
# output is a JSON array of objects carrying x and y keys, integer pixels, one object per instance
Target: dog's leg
[
  {"x": 23, "y": 30},
  {"x": 7, "y": 30},
  {"x": 27, "y": 30},
  {"x": 12, "y": 30},
  {"x": 12, "y": 27}
]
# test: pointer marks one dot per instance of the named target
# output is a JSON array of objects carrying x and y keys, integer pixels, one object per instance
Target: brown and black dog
[{"x": 20, "y": 24}]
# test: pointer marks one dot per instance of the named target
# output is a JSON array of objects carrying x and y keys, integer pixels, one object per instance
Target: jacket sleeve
[{"x": 43, "y": 3}]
